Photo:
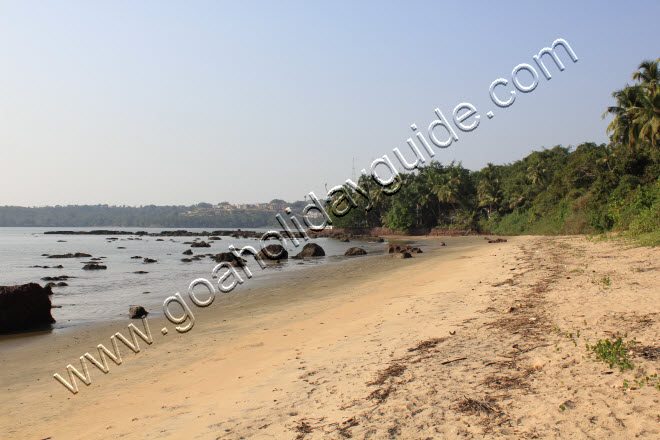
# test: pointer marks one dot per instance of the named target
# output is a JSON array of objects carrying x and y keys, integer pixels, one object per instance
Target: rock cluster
[{"x": 401, "y": 248}]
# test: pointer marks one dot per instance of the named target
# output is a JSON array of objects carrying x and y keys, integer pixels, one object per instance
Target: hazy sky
[{"x": 125, "y": 102}]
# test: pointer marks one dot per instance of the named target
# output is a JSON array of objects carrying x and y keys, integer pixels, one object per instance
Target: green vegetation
[
  {"x": 613, "y": 352},
  {"x": 587, "y": 189}
]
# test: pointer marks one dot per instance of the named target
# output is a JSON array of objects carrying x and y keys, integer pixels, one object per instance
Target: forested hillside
[{"x": 145, "y": 216}]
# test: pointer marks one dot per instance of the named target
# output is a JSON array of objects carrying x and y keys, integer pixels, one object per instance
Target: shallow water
[{"x": 100, "y": 295}]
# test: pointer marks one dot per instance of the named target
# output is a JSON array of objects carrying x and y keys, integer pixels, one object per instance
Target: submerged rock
[
  {"x": 58, "y": 278},
  {"x": 200, "y": 244},
  {"x": 94, "y": 266},
  {"x": 229, "y": 257},
  {"x": 76, "y": 255},
  {"x": 24, "y": 307}
]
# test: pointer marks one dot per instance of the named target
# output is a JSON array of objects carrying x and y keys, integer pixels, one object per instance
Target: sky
[{"x": 166, "y": 102}]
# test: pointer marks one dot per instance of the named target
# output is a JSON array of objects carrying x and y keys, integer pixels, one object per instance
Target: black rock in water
[{"x": 24, "y": 307}]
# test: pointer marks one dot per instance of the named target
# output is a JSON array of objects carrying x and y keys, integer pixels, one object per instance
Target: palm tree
[
  {"x": 637, "y": 113},
  {"x": 488, "y": 190},
  {"x": 648, "y": 73},
  {"x": 608, "y": 156},
  {"x": 647, "y": 117},
  {"x": 622, "y": 127},
  {"x": 536, "y": 173}
]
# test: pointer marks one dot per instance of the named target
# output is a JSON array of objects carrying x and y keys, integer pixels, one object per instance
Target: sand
[{"x": 468, "y": 340}]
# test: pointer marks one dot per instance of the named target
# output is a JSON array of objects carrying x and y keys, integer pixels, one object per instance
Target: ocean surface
[{"x": 101, "y": 295}]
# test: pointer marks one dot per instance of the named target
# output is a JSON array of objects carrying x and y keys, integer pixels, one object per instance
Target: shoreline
[
  {"x": 381, "y": 348},
  {"x": 105, "y": 294},
  {"x": 269, "y": 277},
  {"x": 235, "y": 300}
]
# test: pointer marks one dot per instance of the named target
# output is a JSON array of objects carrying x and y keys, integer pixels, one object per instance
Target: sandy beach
[{"x": 471, "y": 340}]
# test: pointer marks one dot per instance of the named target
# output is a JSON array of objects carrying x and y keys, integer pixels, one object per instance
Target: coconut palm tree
[
  {"x": 637, "y": 112},
  {"x": 536, "y": 173},
  {"x": 622, "y": 128},
  {"x": 489, "y": 193},
  {"x": 648, "y": 73},
  {"x": 647, "y": 117}
]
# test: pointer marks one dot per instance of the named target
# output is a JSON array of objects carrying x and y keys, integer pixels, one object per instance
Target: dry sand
[{"x": 457, "y": 341}]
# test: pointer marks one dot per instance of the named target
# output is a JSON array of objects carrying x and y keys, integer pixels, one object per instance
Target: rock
[
  {"x": 188, "y": 252},
  {"x": 24, "y": 307},
  {"x": 215, "y": 238},
  {"x": 398, "y": 248},
  {"x": 377, "y": 239},
  {"x": 229, "y": 257},
  {"x": 344, "y": 239},
  {"x": 121, "y": 247},
  {"x": 311, "y": 250},
  {"x": 140, "y": 272},
  {"x": 200, "y": 244},
  {"x": 136, "y": 257},
  {"x": 159, "y": 239},
  {"x": 499, "y": 240},
  {"x": 58, "y": 278},
  {"x": 137, "y": 312},
  {"x": 273, "y": 252},
  {"x": 442, "y": 243},
  {"x": 150, "y": 260},
  {"x": 354, "y": 251},
  {"x": 186, "y": 260},
  {"x": 62, "y": 284},
  {"x": 393, "y": 249},
  {"x": 76, "y": 255},
  {"x": 50, "y": 285},
  {"x": 94, "y": 266},
  {"x": 403, "y": 255}
]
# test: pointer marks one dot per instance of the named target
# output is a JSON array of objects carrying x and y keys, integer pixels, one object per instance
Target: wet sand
[{"x": 456, "y": 341}]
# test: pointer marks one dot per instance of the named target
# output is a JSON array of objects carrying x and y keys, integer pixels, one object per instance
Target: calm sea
[{"x": 94, "y": 296}]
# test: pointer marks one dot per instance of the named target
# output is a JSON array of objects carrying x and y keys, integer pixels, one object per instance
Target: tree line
[
  {"x": 586, "y": 189},
  {"x": 130, "y": 216}
]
